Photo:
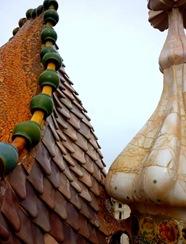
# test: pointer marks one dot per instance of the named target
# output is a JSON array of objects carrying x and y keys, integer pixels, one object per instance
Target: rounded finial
[
  {"x": 52, "y": 58},
  {"x": 48, "y": 34},
  {"x": 39, "y": 10},
  {"x": 48, "y": 3},
  {"x": 42, "y": 102},
  {"x": 30, "y": 130},
  {"x": 14, "y": 32},
  {"x": 51, "y": 16},
  {"x": 8, "y": 158},
  {"x": 49, "y": 78},
  {"x": 22, "y": 22},
  {"x": 29, "y": 13}
]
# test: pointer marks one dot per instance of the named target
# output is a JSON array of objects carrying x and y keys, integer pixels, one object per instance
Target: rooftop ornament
[
  {"x": 152, "y": 168},
  {"x": 28, "y": 133}
]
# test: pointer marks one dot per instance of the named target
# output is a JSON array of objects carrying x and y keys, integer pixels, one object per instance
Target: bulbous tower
[{"x": 150, "y": 173}]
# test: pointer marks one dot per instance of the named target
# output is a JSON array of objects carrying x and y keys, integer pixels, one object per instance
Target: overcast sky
[{"x": 111, "y": 54}]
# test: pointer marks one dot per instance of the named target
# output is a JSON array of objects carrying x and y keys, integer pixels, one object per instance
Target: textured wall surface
[{"x": 19, "y": 69}]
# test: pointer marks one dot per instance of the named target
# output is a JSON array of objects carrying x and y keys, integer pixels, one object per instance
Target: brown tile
[
  {"x": 17, "y": 180},
  {"x": 87, "y": 122},
  {"x": 49, "y": 142},
  {"x": 101, "y": 237},
  {"x": 61, "y": 148},
  {"x": 95, "y": 187},
  {"x": 9, "y": 209},
  {"x": 86, "y": 178},
  {"x": 68, "y": 94},
  {"x": 76, "y": 111},
  {"x": 73, "y": 216},
  {"x": 60, "y": 205},
  {"x": 85, "y": 130},
  {"x": 77, "y": 170},
  {"x": 58, "y": 159},
  {"x": 12, "y": 240},
  {"x": 64, "y": 111},
  {"x": 4, "y": 230},
  {"x": 97, "y": 173},
  {"x": 61, "y": 135},
  {"x": 100, "y": 153},
  {"x": 99, "y": 163},
  {"x": 48, "y": 193},
  {"x": 65, "y": 186},
  {"x": 76, "y": 186},
  {"x": 103, "y": 178},
  {"x": 70, "y": 160},
  {"x": 75, "y": 198},
  {"x": 89, "y": 166},
  {"x": 48, "y": 239},
  {"x": 42, "y": 220},
  {"x": 66, "y": 102},
  {"x": 84, "y": 208},
  {"x": 93, "y": 236},
  {"x": 77, "y": 99},
  {"x": 70, "y": 236},
  {"x": 26, "y": 227},
  {"x": 85, "y": 114},
  {"x": 56, "y": 227},
  {"x": 69, "y": 146},
  {"x": 79, "y": 154},
  {"x": 43, "y": 158},
  {"x": 94, "y": 143},
  {"x": 82, "y": 240},
  {"x": 75, "y": 183},
  {"x": 94, "y": 202},
  {"x": 68, "y": 174},
  {"x": 36, "y": 178},
  {"x": 85, "y": 193},
  {"x": 37, "y": 235},
  {"x": 92, "y": 152},
  {"x": 55, "y": 112},
  {"x": 69, "y": 87},
  {"x": 78, "y": 105},
  {"x": 54, "y": 178},
  {"x": 30, "y": 203},
  {"x": 56, "y": 99},
  {"x": 74, "y": 121},
  {"x": 82, "y": 142},
  {"x": 53, "y": 129},
  {"x": 83, "y": 230},
  {"x": 71, "y": 132},
  {"x": 62, "y": 123},
  {"x": 94, "y": 218},
  {"x": 56, "y": 126},
  {"x": 60, "y": 89}
]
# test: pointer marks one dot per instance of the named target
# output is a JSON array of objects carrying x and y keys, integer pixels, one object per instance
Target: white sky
[{"x": 111, "y": 54}]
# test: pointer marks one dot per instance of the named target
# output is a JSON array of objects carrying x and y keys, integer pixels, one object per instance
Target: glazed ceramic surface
[{"x": 152, "y": 168}]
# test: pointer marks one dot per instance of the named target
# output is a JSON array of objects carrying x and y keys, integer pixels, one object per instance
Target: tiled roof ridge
[{"x": 27, "y": 134}]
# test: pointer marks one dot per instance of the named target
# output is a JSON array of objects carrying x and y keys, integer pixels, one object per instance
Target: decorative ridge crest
[
  {"x": 28, "y": 133},
  {"x": 159, "y": 9}
]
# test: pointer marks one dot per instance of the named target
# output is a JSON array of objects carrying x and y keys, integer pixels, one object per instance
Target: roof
[{"x": 56, "y": 193}]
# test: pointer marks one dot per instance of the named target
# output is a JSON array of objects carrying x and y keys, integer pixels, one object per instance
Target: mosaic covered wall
[{"x": 157, "y": 230}]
